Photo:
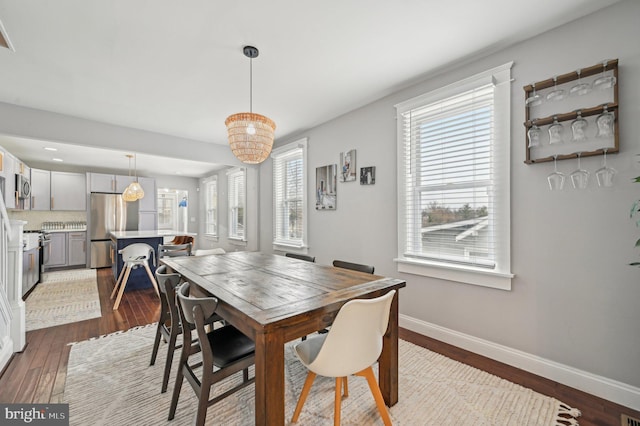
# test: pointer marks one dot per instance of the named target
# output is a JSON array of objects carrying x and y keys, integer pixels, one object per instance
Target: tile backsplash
[{"x": 35, "y": 219}]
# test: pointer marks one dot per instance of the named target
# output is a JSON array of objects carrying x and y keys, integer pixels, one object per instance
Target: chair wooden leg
[
  {"x": 311, "y": 376},
  {"x": 118, "y": 282},
  {"x": 151, "y": 277},
  {"x": 171, "y": 348},
  {"x": 203, "y": 397},
  {"x": 338, "y": 402},
  {"x": 345, "y": 383},
  {"x": 122, "y": 287},
  {"x": 377, "y": 395},
  {"x": 156, "y": 342},
  {"x": 177, "y": 387}
]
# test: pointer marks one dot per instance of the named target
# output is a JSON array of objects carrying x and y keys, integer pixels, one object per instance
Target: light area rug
[
  {"x": 110, "y": 382},
  {"x": 63, "y": 297}
]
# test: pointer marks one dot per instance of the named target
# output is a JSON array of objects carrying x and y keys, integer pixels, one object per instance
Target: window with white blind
[
  {"x": 289, "y": 195},
  {"x": 237, "y": 179},
  {"x": 454, "y": 181},
  {"x": 211, "y": 207}
]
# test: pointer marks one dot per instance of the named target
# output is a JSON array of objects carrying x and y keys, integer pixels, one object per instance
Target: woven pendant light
[
  {"x": 250, "y": 135},
  {"x": 134, "y": 191}
]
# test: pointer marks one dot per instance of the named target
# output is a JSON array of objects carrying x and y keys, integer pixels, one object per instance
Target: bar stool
[{"x": 134, "y": 256}]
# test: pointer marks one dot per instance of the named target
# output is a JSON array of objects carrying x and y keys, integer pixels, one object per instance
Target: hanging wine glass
[
  {"x": 605, "y": 174},
  {"x": 556, "y": 178},
  {"x": 581, "y": 88},
  {"x": 604, "y": 81},
  {"x": 580, "y": 176},
  {"x": 533, "y": 134},
  {"x": 535, "y": 99},
  {"x": 604, "y": 123},
  {"x": 556, "y": 131},
  {"x": 579, "y": 128},
  {"x": 556, "y": 94}
]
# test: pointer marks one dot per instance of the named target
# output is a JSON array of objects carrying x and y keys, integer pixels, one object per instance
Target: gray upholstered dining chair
[{"x": 225, "y": 351}]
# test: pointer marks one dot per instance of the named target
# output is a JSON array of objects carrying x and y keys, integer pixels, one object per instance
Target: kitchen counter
[
  {"x": 120, "y": 235},
  {"x": 120, "y": 239}
]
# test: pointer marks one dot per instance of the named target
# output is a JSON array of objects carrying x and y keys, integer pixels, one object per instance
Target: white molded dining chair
[
  {"x": 134, "y": 255},
  {"x": 204, "y": 252},
  {"x": 352, "y": 346}
]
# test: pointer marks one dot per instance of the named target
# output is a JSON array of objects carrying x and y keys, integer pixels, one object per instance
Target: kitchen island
[{"x": 120, "y": 239}]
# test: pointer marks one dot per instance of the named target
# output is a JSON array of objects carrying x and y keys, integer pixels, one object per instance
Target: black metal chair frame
[{"x": 200, "y": 312}]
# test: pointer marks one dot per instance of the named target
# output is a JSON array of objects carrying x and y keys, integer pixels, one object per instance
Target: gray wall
[
  {"x": 190, "y": 185},
  {"x": 574, "y": 298},
  {"x": 253, "y": 198}
]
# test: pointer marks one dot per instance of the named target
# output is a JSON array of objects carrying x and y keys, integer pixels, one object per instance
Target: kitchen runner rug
[
  {"x": 110, "y": 382},
  {"x": 63, "y": 297}
]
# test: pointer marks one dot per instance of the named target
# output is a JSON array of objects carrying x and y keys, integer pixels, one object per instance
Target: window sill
[
  {"x": 237, "y": 242},
  {"x": 457, "y": 273},
  {"x": 210, "y": 237},
  {"x": 289, "y": 246}
]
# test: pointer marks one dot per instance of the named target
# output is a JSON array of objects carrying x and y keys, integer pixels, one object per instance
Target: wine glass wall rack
[{"x": 568, "y": 108}]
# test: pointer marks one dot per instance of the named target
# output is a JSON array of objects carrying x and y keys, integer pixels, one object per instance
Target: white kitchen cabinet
[
  {"x": 99, "y": 182},
  {"x": 76, "y": 248},
  {"x": 148, "y": 202},
  {"x": 30, "y": 266},
  {"x": 110, "y": 184},
  {"x": 9, "y": 181},
  {"x": 3, "y": 168},
  {"x": 68, "y": 191},
  {"x": 57, "y": 249},
  {"x": 147, "y": 221},
  {"x": 40, "y": 189},
  {"x": 122, "y": 182}
]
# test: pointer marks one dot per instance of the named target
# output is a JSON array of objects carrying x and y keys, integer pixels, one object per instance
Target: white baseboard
[
  {"x": 611, "y": 390},
  {"x": 6, "y": 352}
]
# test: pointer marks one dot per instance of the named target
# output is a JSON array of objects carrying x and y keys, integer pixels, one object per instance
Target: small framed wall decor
[
  {"x": 326, "y": 187},
  {"x": 348, "y": 170},
  {"x": 367, "y": 175}
]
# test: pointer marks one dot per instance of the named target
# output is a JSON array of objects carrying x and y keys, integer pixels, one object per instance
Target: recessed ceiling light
[
  {"x": 58, "y": 159},
  {"x": 48, "y": 148}
]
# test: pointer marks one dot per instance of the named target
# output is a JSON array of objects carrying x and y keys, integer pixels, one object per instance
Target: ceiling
[{"x": 178, "y": 69}]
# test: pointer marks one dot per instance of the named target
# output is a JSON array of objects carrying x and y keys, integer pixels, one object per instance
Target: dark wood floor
[{"x": 38, "y": 374}]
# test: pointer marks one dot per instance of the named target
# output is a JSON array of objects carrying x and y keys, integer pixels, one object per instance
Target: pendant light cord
[{"x": 251, "y": 85}]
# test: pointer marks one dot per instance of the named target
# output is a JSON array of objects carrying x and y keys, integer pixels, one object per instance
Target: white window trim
[
  {"x": 500, "y": 278},
  {"x": 232, "y": 238},
  {"x": 285, "y": 245},
  {"x": 213, "y": 237}
]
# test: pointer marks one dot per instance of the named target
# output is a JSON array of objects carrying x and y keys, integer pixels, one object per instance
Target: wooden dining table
[{"x": 275, "y": 299}]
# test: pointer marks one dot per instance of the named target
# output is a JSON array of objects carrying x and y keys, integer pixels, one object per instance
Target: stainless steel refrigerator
[{"x": 109, "y": 213}]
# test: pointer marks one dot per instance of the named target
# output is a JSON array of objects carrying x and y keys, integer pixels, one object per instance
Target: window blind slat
[
  {"x": 448, "y": 157},
  {"x": 288, "y": 183}
]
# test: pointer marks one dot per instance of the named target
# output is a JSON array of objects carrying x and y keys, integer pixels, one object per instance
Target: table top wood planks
[{"x": 275, "y": 299}]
